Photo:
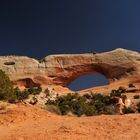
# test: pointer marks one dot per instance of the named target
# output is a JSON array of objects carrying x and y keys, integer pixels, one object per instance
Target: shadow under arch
[{"x": 88, "y": 81}]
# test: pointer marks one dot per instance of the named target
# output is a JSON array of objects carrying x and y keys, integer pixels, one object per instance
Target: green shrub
[
  {"x": 116, "y": 93},
  {"x": 11, "y": 94},
  {"x": 50, "y": 102},
  {"x": 13, "y": 98},
  {"x": 92, "y": 104},
  {"x": 77, "y": 108},
  {"x": 70, "y": 103},
  {"x": 90, "y": 110},
  {"x": 21, "y": 95},
  {"x": 128, "y": 110},
  {"x": 35, "y": 90},
  {"x": 88, "y": 105},
  {"x": 6, "y": 87},
  {"x": 7, "y": 92},
  {"x": 136, "y": 96}
]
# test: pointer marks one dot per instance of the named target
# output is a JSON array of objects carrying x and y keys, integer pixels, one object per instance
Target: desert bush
[
  {"x": 13, "y": 98},
  {"x": 47, "y": 92},
  {"x": 53, "y": 109},
  {"x": 138, "y": 107},
  {"x": 121, "y": 90},
  {"x": 136, "y": 96},
  {"x": 90, "y": 110},
  {"x": 128, "y": 110},
  {"x": 77, "y": 108},
  {"x": 69, "y": 103},
  {"x": 88, "y": 96},
  {"x": 51, "y": 102},
  {"x": 110, "y": 109},
  {"x": 88, "y": 105},
  {"x": 100, "y": 101},
  {"x": 18, "y": 95},
  {"x": 7, "y": 91},
  {"x": 21, "y": 95},
  {"x": 123, "y": 97},
  {"x": 6, "y": 87},
  {"x": 116, "y": 93},
  {"x": 11, "y": 94},
  {"x": 3, "y": 105},
  {"x": 99, "y": 106},
  {"x": 35, "y": 90},
  {"x": 131, "y": 85},
  {"x": 33, "y": 101}
]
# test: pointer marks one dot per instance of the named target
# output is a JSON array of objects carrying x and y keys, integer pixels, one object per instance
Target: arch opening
[{"x": 88, "y": 81}]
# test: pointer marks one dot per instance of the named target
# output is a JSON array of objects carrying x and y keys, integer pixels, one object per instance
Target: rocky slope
[{"x": 116, "y": 65}]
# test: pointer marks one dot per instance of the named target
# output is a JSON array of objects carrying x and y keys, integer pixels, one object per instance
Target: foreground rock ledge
[{"x": 116, "y": 65}]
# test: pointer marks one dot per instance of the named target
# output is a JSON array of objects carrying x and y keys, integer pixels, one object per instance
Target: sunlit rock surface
[{"x": 116, "y": 65}]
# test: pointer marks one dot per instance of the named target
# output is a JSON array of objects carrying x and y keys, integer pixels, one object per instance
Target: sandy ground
[{"x": 26, "y": 122}]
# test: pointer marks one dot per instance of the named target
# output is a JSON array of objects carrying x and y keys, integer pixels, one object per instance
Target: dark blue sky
[{"x": 40, "y": 27}]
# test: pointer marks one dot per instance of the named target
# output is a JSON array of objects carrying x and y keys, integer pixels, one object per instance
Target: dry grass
[{"x": 3, "y": 105}]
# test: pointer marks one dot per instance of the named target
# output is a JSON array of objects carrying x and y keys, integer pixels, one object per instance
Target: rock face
[{"x": 116, "y": 65}]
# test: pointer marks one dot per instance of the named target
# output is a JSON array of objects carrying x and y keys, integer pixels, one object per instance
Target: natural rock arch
[{"x": 116, "y": 65}]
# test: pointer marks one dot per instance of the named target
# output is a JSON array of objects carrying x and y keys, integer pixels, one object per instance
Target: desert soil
[{"x": 27, "y": 122}]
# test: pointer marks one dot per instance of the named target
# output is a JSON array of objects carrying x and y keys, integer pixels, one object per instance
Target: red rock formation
[{"x": 116, "y": 65}]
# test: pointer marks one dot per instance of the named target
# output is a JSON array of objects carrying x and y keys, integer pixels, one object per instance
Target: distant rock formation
[{"x": 116, "y": 65}]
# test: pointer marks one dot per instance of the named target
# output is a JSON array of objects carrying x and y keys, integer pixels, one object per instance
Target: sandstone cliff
[{"x": 116, "y": 65}]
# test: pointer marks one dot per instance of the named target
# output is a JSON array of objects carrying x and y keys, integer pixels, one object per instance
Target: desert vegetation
[
  {"x": 136, "y": 96},
  {"x": 6, "y": 87},
  {"x": 73, "y": 103},
  {"x": 19, "y": 95},
  {"x": 89, "y": 104},
  {"x": 92, "y": 103},
  {"x": 13, "y": 95},
  {"x": 131, "y": 85},
  {"x": 138, "y": 107},
  {"x": 117, "y": 92}
]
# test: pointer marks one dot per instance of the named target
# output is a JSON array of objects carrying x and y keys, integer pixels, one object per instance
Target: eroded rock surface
[{"x": 116, "y": 65}]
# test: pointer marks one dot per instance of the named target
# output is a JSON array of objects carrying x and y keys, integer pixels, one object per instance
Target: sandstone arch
[{"x": 116, "y": 65}]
